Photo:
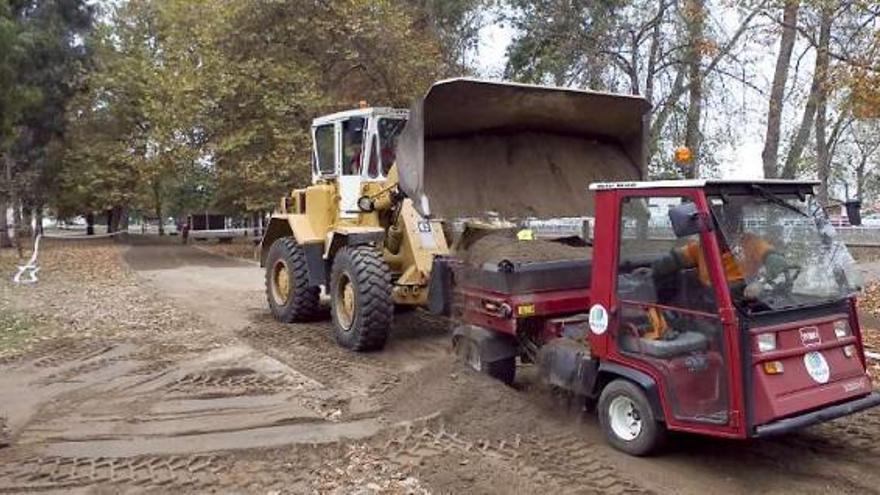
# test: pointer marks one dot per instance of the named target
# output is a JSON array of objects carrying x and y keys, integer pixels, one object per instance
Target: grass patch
[{"x": 16, "y": 330}]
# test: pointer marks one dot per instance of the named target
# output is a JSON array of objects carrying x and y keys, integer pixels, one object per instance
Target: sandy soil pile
[
  {"x": 519, "y": 174},
  {"x": 498, "y": 248}
]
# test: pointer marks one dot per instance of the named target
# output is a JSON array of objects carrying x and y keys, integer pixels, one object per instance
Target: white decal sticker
[
  {"x": 810, "y": 336},
  {"x": 854, "y": 385},
  {"x": 817, "y": 367},
  {"x": 598, "y": 319}
]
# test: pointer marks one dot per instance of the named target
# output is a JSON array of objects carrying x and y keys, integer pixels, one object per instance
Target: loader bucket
[{"x": 472, "y": 147}]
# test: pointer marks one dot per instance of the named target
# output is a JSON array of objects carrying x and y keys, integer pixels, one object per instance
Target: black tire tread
[
  {"x": 304, "y": 303},
  {"x": 374, "y": 308}
]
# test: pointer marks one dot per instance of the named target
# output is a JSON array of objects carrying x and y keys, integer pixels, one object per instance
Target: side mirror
[{"x": 686, "y": 220}]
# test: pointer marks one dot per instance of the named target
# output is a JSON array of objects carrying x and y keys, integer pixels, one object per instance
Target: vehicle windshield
[
  {"x": 785, "y": 249},
  {"x": 389, "y": 130}
]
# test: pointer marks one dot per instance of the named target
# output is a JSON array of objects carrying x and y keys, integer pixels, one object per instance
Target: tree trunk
[
  {"x": 109, "y": 214},
  {"x": 802, "y": 136},
  {"x": 5, "y": 202},
  {"x": 90, "y": 223},
  {"x": 656, "y": 39},
  {"x": 38, "y": 221},
  {"x": 770, "y": 155},
  {"x": 120, "y": 218},
  {"x": 17, "y": 230},
  {"x": 123, "y": 218},
  {"x": 12, "y": 195},
  {"x": 5, "y": 239},
  {"x": 860, "y": 178},
  {"x": 823, "y": 156},
  {"x": 27, "y": 220},
  {"x": 157, "y": 205},
  {"x": 695, "y": 12}
]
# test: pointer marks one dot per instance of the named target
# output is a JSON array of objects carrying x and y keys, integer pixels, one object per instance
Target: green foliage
[{"x": 208, "y": 103}]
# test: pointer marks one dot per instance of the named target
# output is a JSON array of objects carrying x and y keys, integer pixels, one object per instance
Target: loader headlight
[
  {"x": 766, "y": 342},
  {"x": 365, "y": 204},
  {"x": 841, "y": 329}
]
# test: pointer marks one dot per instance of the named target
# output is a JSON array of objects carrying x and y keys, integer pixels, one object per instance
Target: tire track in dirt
[
  {"x": 68, "y": 350},
  {"x": 60, "y": 473},
  {"x": 309, "y": 349},
  {"x": 570, "y": 464},
  {"x": 231, "y": 382}
]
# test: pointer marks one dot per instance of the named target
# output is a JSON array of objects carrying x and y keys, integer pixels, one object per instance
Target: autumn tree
[
  {"x": 208, "y": 103},
  {"x": 660, "y": 49}
]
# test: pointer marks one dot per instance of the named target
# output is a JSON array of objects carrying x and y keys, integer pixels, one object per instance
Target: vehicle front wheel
[
  {"x": 627, "y": 419},
  {"x": 287, "y": 283},
  {"x": 361, "y": 300}
]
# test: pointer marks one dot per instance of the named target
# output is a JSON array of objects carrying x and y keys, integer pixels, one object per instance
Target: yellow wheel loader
[{"x": 369, "y": 230}]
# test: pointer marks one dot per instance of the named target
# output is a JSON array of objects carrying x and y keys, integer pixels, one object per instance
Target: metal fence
[{"x": 860, "y": 236}]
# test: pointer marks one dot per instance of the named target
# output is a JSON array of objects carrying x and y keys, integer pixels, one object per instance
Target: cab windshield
[
  {"x": 389, "y": 130},
  {"x": 786, "y": 250}
]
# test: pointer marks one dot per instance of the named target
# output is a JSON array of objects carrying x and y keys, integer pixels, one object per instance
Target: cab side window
[
  {"x": 352, "y": 145},
  {"x": 654, "y": 265},
  {"x": 373, "y": 167},
  {"x": 324, "y": 149},
  {"x": 667, "y": 315}
]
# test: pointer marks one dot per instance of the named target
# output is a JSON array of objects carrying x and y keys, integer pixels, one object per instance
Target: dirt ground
[{"x": 147, "y": 366}]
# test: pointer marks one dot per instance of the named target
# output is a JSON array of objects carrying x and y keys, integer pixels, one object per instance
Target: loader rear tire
[
  {"x": 290, "y": 296},
  {"x": 360, "y": 296}
]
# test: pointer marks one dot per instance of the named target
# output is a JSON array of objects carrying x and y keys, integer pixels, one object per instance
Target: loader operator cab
[{"x": 353, "y": 147}]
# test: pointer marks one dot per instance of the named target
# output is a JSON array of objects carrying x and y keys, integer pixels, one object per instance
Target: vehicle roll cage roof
[
  {"x": 399, "y": 113},
  {"x": 717, "y": 186}
]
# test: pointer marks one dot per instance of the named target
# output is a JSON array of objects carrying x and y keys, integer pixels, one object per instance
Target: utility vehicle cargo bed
[
  {"x": 527, "y": 276},
  {"x": 509, "y": 266}
]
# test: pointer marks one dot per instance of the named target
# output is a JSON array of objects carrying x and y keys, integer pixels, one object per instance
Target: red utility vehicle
[{"x": 715, "y": 307}]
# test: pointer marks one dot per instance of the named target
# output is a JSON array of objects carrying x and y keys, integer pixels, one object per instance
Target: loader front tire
[
  {"x": 290, "y": 296},
  {"x": 360, "y": 296}
]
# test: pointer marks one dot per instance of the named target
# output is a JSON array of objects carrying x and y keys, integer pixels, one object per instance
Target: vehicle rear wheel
[
  {"x": 360, "y": 296},
  {"x": 287, "y": 283},
  {"x": 468, "y": 353},
  {"x": 628, "y": 420}
]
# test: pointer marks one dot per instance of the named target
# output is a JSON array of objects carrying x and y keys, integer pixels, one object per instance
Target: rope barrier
[{"x": 30, "y": 269}]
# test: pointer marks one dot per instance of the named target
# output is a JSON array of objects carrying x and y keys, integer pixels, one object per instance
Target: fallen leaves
[
  {"x": 869, "y": 301},
  {"x": 360, "y": 471},
  {"x": 86, "y": 291}
]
